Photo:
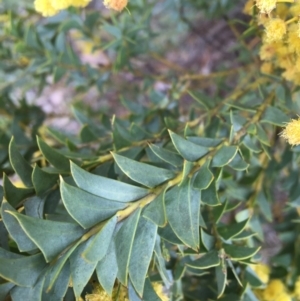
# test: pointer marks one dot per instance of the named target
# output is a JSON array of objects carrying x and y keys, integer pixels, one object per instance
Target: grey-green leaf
[
  {"x": 207, "y": 240},
  {"x": 187, "y": 149},
  {"x": 85, "y": 208},
  {"x": 19, "y": 164},
  {"x": 208, "y": 260},
  {"x": 100, "y": 242},
  {"x": 124, "y": 243},
  {"x": 55, "y": 158},
  {"x": 17, "y": 270},
  {"x": 160, "y": 263},
  {"x": 28, "y": 293},
  {"x": 166, "y": 155},
  {"x": 239, "y": 252},
  {"x": 81, "y": 270},
  {"x": 232, "y": 230},
  {"x": 107, "y": 269},
  {"x": 50, "y": 237},
  {"x": 274, "y": 116},
  {"x": 13, "y": 194},
  {"x": 203, "y": 177},
  {"x": 238, "y": 163},
  {"x": 4, "y": 289},
  {"x": 156, "y": 211},
  {"x": 210, "y": 196},
  {"x": 204, "y": 141},
  {"x": 182, "y": 208},
  {"x": 224, "y": 156},
  {"x": 145, "y": 174},
  {"x": 43, "y": 181},
  {"x": 141, "y": 255},
  {"x": 221, "y": 275},
  {"x": 57, "y": 279},
  {"x": 105, "y": 187},
  {"x": 23, "y": 242}
]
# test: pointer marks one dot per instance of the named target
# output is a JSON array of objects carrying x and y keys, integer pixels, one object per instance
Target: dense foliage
[{"x": 187, "y": 193}]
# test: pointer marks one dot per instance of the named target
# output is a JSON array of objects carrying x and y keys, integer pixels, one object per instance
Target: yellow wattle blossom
[
  {"x": 262, "y": 271},
  {"x": 61, "y": 4},
  {"x": 291, "y": 133},
  {"x": 45, "y": 7},
  {"x": 275, "y": 30},
  {"x": 275, "y": 291},
  {"x": 266, "y": 6},
  {"x": 99, "y": 294},
  {"x": 117, "y": 5},
  {"x": 297, "y": 289}
]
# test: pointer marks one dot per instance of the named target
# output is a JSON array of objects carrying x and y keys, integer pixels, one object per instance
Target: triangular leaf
[
  {"x": 105, "y": 187},
  {"x": 43, "y": 181},
  {"x": 19, "y": 164},
  {"x": 224, "y": 156},
  {"x": 87, "y": 209},
  {"x": 239, "y": 252},
  {"x": 187, "y": 149},
  {"x": 124, "y": 242},
  {"x": 142, "y": 173},
  {"x": 221, "y": 275},
  {"x": 28, "y": 293},
  {"x": 208, "y": 260},
  {"x": 203, "y": 177},
  {"x": 166, "y": 155},
  {"x": 161, "y": 264},
  {"x": 151, "y": 294},
  {"x": 81, "y": 270},
  {"x": 182, "y": 208},
  {"x": 107, "y": 269},
  {"x": 204, "y": 141},
  {"x": 141, "y": 255},
  {"x": 55, "y": 158},
  {"x": 156, "y": 211},
  {"x": 50, "y": 237},
  {"x": 4, "y": 289},
  {"x": 57, "y": 279},
  {"x": 23, "y": 242},
  {"x": 210, "y": 196},
  {"x": 13, "y": 194},
  {"x": 167, "y": 233},
  {"x": 274, "y": 116},
  {"x": 16, "y": 270},
  {"x": 207, "y": 240},
  {"x": 100, "y": 242},
  {"x": 232, "y": 230}
]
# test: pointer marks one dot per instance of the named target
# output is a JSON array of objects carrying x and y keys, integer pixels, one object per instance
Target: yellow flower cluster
[
  {"x": 266, "y": 6},
  {"x": 49, "y": 8},
  {"x": 280, "y": 50},
  {"x": 291, "y": 132},
  {"x": 100, "y": 295},
  {"x": 275, "y": 289}
]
